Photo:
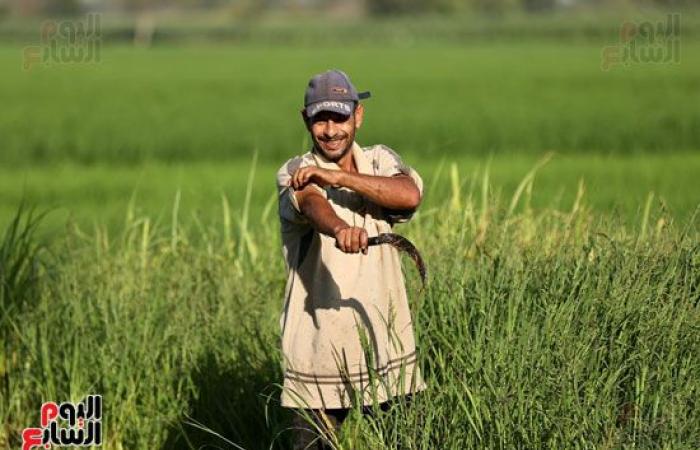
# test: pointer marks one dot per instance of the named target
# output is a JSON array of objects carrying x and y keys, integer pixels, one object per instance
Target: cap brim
[{"x": 344, "y": 108}]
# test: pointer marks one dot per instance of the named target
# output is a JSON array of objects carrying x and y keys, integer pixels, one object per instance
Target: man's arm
[
  {"x": 396, "y": 192},
  {"x": 321, "y": 215},
  {"x": 317, "y": 209}
]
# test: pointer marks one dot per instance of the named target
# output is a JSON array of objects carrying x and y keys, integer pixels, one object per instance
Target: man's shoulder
[
  {"x": 297, "y": 160},
  {"x": 379, "y": 150},
  {"x": 290, "y": 166},
  {"x": 381, "y": 155}
]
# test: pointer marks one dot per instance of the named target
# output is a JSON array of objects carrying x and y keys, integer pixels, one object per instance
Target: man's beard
[{"x": 337, "y": 155}]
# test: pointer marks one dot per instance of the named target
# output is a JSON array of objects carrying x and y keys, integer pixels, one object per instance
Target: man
[{"x": 346, "y": 327}]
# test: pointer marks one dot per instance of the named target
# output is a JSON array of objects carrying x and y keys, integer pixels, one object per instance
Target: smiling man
[{"x": 347, "y": 333}]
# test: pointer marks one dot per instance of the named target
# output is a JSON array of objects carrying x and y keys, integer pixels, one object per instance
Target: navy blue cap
[{"x": 331, "y": 91}]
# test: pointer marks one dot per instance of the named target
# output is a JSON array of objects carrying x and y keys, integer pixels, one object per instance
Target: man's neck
[{"x": 346, "y": 163}]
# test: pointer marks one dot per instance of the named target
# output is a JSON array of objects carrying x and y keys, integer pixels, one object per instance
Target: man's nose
[{"x": 331, "y": 128}]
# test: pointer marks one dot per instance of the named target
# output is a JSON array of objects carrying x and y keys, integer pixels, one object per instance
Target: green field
[
  {"x": 562, "y": 309},
  {"x": 191, "y": 118},
  {"x": 539, "y": 328},
  {"x": 219, "y": 103},
  {"x": 103, "y": 194}
]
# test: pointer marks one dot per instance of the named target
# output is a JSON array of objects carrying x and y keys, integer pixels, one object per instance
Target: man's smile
[{"x": 333, "y": 145}]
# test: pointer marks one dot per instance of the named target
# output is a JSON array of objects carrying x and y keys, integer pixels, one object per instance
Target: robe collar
[{"x": 361, "y": 161}]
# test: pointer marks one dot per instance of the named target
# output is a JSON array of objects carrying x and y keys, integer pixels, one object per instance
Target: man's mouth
[{"x": 333, "y": 144}]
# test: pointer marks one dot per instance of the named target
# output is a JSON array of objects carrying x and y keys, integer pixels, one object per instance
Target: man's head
[{"x": 332, "y": 113}]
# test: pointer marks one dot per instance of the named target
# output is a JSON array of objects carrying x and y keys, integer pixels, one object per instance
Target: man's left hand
[{"x": 313, "y": 174}]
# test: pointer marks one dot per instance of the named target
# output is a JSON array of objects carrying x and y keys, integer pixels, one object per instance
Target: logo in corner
[{"x": 67, "y": 424}]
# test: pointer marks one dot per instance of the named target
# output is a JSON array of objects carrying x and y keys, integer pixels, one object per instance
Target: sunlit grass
[
  {"x": 540, "y": 327},
  {"x": 101, "y": 194}
]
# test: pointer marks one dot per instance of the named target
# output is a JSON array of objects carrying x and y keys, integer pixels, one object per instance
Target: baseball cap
[{"x": 333, "y": 91}]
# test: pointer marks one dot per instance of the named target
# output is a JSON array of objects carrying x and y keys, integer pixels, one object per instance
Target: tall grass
[
  {"x": 554, "y": 329},
  {"x": 22, "y": 264},
  {"x": 540, "y": 327},
  {"x": 19, "y": 264}
]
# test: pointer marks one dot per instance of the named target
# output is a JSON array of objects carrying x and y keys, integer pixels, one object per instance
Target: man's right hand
[{"x": 351, "y": 239}]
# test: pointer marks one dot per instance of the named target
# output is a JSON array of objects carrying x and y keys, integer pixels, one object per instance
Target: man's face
[{"x": 333, "y": 133}]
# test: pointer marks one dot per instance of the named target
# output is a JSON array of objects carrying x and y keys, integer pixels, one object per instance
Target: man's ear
[
  {"x": 307, "y": 124},
  {"x": 359, "y": 115}
]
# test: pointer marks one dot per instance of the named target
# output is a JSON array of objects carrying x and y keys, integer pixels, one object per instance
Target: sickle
[{"x": 402, "y": 244}]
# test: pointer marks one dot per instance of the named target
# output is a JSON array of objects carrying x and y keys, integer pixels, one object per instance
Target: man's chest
[{"x": 348, "y": 204}]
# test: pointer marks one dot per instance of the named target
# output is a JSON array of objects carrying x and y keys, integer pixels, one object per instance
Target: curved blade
[{"x": 402, "y": 244}]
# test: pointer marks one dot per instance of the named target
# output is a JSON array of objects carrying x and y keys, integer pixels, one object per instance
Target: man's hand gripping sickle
[
  {"x": 354, "y": 239},
  {"x": 351, "y": 239}
]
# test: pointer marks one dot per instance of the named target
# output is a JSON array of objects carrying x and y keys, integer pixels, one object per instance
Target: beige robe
[{"x": 344, "y": 313}]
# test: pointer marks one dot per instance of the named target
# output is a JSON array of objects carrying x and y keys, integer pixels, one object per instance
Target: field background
[{"x": 559, "y": 223}]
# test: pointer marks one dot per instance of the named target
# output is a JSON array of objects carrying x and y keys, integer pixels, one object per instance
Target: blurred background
[{"x": 117, "y": 107}]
